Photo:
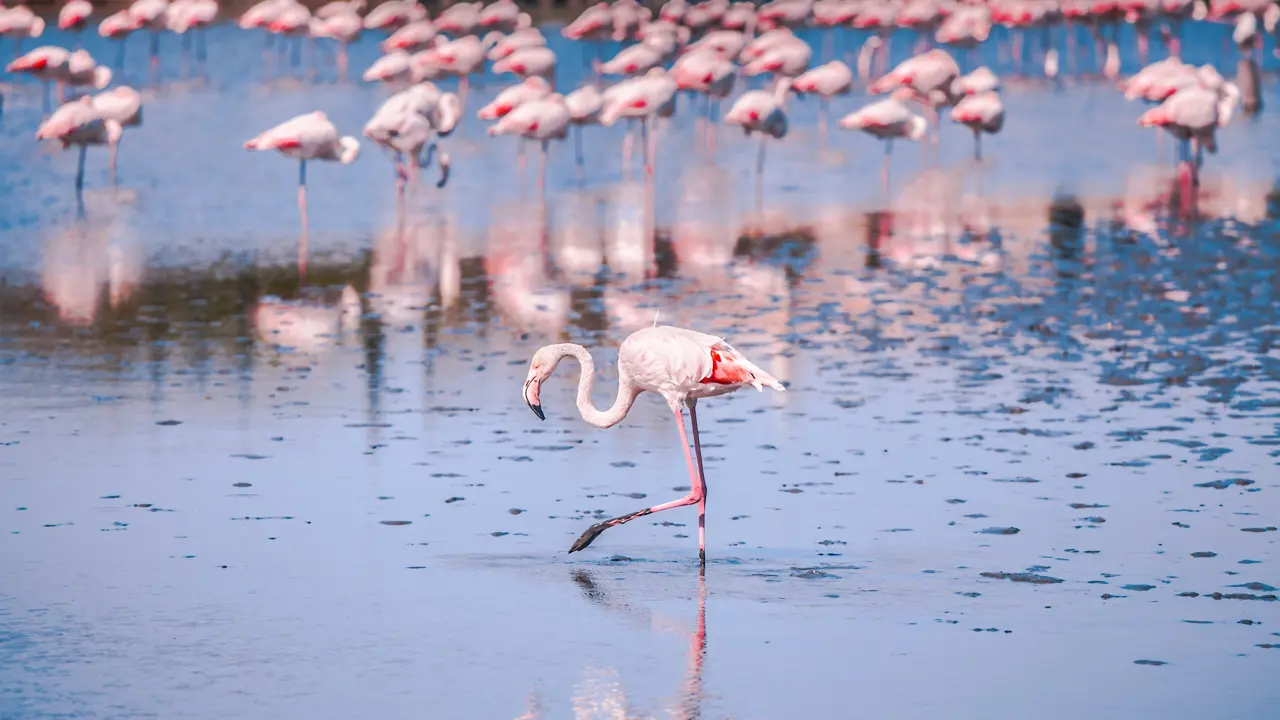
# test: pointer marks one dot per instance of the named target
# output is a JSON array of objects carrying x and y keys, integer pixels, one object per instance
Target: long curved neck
[{"x": 627, "y": 390}]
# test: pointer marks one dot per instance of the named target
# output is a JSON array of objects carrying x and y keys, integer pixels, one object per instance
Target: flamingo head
[{"x": 540, "y": 368}]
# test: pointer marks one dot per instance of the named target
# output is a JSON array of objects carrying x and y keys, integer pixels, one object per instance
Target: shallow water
[{"x": 1024, "y": 466}]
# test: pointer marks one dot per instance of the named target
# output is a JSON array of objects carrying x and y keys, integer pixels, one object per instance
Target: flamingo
[
  {"x": 391, "y": 16},
  {"x": 19, "y": 22},
  {"x": 150, "y": 14},
  {"x": 78, "y": 123},
  {"x": 293, "y": 21},
  {"x": 342, "y": 26},
  {"x": 590, "y": 24},
  {"x": 762, "y": 112},
  {"x": 408, "y": 120},
  {"x": 825, "y": 81},
  {"x": 502, "y": 15},
  {"x": 339, "y": 7},
  {"x": 982, "y": 113},
  {"x": 307, "y": 137},
  {"x": 459, "y": 57},
  {"x": 500, "y": 46},
  {"x": 459, "y": 19},
  {"x": 682, "y": 366},
  {"x": 979, "y": 81},
  {"x": 183, "y": 15},
  {"x": 708, "y": 72},
  {"x": 75, "y": 15},
  {"x": 635, "y": 60},
  {"x": 888, "y": 120},
  {"x": 928, "y": 76},
  {"x": 533, "y": 88},
  {"x": 653, "y": 94},
  {"x": 122, "y": 105},
  {"x": 54, "y": 64},
  {"x": 544, "y": 120},
  {"x": 118, "y": 26},
  {"x": 412, "y": 37},
  {"x": 528, "y": 62},
  {"x": 584, "y": 106},
  {"x": 728, "y": 44},
  {"x": 789, "y": 58}
]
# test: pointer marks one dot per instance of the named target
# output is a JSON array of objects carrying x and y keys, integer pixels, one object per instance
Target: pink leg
[
  {"x": 694, "y": 497},
  {"x": 701, "y": 485},
  {"x": 302, "y": 210},
  {"x": 626, "y": 149}
]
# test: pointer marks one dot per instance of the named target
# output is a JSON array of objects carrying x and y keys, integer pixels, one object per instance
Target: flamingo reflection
[{"x": 89, "y": 264}]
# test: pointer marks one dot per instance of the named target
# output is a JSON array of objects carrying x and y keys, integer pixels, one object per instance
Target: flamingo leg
[
  {"x": 120, "y": 53},
  {"x": 80, "y": 169},
  {"x": 302, "y": 210},
  {"x": 884, "y": 170},
  {"x": 577, "y": 145},
  {"x": 542, "y": 173},
  {"x": 112, "y": 161},
  {"x": 693, "y": 498},
  {"x": 702, "y": 482},
  {"x": 824, "y": 109},
  {"x": 342, "y": 62},
  {"x": 977, "y": 146},
  {"x": 155, "y": 55}
]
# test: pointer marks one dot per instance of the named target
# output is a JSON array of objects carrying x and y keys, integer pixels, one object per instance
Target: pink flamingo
[
  {"x": 54, "y": 64},
  {"x": 888, "y": 119},
  {"x": 683, "y": 366},
  {"x": 979, "y": 81},
  {"x": 966, "y": 28},
  {"x": 459, "y": 19},
  {"x": 307, "y": 137},
  {"x": 533, "y": 88},
  {"x": 122, "y": 105},
  {"x": 544, "y": 120},
  {"x": 412, "y": 37},
  {"x": 881, "y": 17},
  {"x": 635, "y": 60},
  {"x": 788, "y": 58},
  {"x": 78, "y": 123},
  {"x": 759, "y": 111},
  {"x": 643, "y": 98},
  {"x": 293, "y": 21},
  {"x": 150, "y": 15},
  {"x": 500, "y": 46},
  {"x": 585, "y": 105},
  {"x": 825, "y": 81},
  {"x": 391, "y": 16},
  {"x": 673, "y": 11},
  {"x": 118, "y": 26},
  {"x": 929, "y": 76},
  {"x": 981, "y": 113},
  {"x": 75, "y": 15},
  {"x": 184, "y": 15},
  {"x": 342, "y": 27},
  {"x": 19, "y": 22},
  {"x": 740, "y": 16},
  {"x": 503, "y": 15},
  {"x": 460, "y": 57},
  {"x": 408, "y": 121},
  {"x": 785, "y": 13},
  {"x": 528, "y": 62},
  {"x": 707, "y": 72},
  {"x": 728, "y": 44}
]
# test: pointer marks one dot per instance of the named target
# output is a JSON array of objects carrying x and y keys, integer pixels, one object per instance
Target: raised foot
[{"x": 589, "y": 536}]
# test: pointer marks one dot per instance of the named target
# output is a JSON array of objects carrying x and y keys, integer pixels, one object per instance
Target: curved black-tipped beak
[{"x": 537, "y": 409}]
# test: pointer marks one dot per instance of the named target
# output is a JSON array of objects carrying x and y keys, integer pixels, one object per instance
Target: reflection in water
[
  {"x": 91, "y": 262},
  {"x": 601, "y": 695}
]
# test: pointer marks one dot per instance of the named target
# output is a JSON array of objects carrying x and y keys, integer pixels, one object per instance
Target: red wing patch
[
  {"x": 724, "y": 371},
  {"x": 287, "y": 143}
]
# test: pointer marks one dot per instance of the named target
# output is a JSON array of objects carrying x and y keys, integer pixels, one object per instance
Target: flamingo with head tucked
[
  {"x": 982, "y": 113},
  {"x": 307, "y": 137},
  {"x": 683, "y": 366},
  {"x": 762, "y": 112},
  {"x": 888, "y": 119},
  {"x": 79, "y": 123},
  {"x": 826, "y": 81},
  {"x": 543, "y": 120}
]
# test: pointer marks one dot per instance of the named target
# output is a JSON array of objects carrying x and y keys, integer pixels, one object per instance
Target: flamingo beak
[{"x": 532, "y": 399}]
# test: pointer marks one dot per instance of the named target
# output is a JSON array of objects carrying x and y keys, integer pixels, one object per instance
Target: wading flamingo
[
  {"x": 682, "y": 366},
  {"x": 79, "y": 123},
  {"x": 307, "y": 137}
]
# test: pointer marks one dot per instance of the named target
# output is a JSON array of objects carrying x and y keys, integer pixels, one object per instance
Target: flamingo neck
[{"x": 627, "y": 390}]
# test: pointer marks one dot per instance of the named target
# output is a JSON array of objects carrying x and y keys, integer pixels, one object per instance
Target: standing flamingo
[
  {"x": 584, "y": 106},
  {"x": 681, "y": 365},
  {"x": 307, "y": 137},
  {"x": 544, "y": 120},
  {"x": 118, "y": 26},
  {"x": 765, "y": 113},
  {"x": 343, "y": 27},
  {"x": 150, "y": 14},
  {"x": 19, "y": 22},
  {"x": 708, "y": 72},
  {"x": 928, "y": 76},
  {"x": 528, "y": 62},
  {"x": 981, "y": 113},
  {"x": 75, "y": 15},
  {"x": 408, "y": 120},
  {"x": 888, "y": 119},
  {"x": 642, "y": 98},
  {"x": 825, "y": 81},
  {"x": 413, "y": 37},
  {"x": 78, "y": 123}
]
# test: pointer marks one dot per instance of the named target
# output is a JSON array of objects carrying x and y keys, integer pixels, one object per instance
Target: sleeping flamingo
[
  {"x": 307, "y": 137},
  {"x": 79, "y": 123},
  {"x": 681, "y": 365},
  {"x": 888, "y": 119}
]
